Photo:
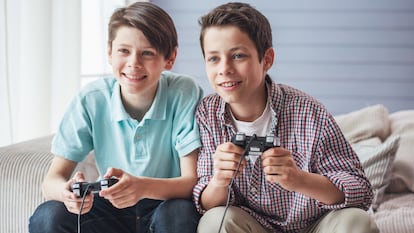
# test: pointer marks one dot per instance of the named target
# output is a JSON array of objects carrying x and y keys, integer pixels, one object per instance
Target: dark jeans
[{"x": 177, "y": 215}]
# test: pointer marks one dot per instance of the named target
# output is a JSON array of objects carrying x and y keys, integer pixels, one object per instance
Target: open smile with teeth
[
  {"x": 134, "y": 77},
  {"x": 229, "y": 84}
]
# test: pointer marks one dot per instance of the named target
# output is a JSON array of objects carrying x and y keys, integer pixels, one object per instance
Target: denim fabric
[{"x": 152, "y": 216}]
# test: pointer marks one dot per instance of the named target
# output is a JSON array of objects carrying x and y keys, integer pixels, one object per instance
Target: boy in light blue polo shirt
[
  {"x": 150, "y": 147},
  {"x": 141, "y": 126}
]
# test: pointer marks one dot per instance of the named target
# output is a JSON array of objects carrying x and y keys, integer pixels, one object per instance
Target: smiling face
[
  {"x": 136, "y": 64},
  {"x": 233, "y": 68}
]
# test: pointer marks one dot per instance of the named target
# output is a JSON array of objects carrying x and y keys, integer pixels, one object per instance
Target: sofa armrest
[{"x": 22, "y": 169}]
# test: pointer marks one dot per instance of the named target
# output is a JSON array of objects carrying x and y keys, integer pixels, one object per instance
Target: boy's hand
[
  {"x": 71, "y": 201},
  {"x": 225, "y": 161},
  {"x": 280, "y": 167},
  {"x": 126, "y": 192}
]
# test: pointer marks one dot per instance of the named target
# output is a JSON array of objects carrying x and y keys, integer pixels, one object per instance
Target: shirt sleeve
[
  {"x": 73, "y": 138},
  {"x": 342, "y": 167},
  {"x": 205, "y": 159},
  {"x": 204, "y": 162},
  {"x": 187, "y": 95}
]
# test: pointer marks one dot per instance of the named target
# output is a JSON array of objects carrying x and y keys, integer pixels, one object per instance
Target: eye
[
  {"x": 238, "y": 56},
  {"x": 212, "y": 59},
  {"x": 147, "y": 53},
  {"x": 124, "y": 51}
]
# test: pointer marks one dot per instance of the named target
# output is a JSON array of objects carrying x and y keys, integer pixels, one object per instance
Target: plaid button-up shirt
[{"x": 316, "y": 143}]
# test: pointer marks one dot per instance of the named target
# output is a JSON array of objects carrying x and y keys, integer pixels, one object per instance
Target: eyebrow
[
  {"x": 122, "y": 45},
  {"x": 231, "y": 50},
  {"x": 130, "y": 46}
]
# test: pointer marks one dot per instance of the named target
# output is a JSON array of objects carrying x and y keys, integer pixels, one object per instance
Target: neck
[
  {"x": 249, "y": 111},
  {"x": 137, "y": 105},
  {"x": 247, "y": 115}
]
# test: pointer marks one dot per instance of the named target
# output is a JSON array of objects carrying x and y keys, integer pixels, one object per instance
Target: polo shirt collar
[
  {"x": 118, "y": 111},
  {"x": 157, "y": 110}
]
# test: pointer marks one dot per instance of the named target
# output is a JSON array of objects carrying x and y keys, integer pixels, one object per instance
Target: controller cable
[
  {"x": 245, "y": 152},
  {"x": 81, "y": 207}
]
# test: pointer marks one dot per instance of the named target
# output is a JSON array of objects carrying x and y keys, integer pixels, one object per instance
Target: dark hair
[
  {"x": 156, "y": 25},
  {"x": 243, "y": 16}
]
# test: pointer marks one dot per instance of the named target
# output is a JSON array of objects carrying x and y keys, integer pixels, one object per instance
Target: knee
[
  {"x": 50, "y": 216},
  {"x": 357, "y": 220},
  {"x": 177, "y": 207},
  {"x": 177, "y": 213},
  {"x": 211, "y": 220},
  {"x": 217, "y": 217}
]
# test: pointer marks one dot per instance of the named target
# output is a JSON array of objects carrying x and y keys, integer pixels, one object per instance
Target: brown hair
[
  {"x": 243, "y": 16},
  {"x": 154, "y": 22}
]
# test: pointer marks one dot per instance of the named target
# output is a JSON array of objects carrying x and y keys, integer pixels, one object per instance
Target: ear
[
  {"x": 171, "y": 60},
  {"x": 268, "y": 59}
]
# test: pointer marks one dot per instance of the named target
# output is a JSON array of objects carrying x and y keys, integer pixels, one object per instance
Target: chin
[{"x": 230, "y": 99}]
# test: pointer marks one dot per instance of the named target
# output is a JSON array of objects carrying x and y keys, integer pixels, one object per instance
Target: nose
[
  {"x": 134, "y": 61},
  {"x": 225, "y": 67}
]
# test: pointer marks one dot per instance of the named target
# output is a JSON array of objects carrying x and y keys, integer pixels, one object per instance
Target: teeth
[
  {"x": 229, "y": 84},
  {"x": 132, "y": 76}
]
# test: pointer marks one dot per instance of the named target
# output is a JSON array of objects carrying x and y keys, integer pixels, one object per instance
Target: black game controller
[
  {"x": 256, "y": 145},
  {"x": 79, "y": 188}
]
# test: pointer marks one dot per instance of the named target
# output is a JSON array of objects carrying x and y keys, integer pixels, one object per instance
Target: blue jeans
[{"x": 153, "y": 216}]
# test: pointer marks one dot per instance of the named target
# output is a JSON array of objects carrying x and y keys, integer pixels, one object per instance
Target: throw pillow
[
  {"x": 402, "y": 180},
  {"x": 376, "y": 160},
  {"x": 365, "y": 123}
]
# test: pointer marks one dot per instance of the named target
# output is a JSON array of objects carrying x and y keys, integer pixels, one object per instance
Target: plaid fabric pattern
[{"x": 316, "y": 143}]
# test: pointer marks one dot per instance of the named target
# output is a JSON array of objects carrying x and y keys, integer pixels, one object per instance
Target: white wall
[
  {"x": 39, "y": 67},
  {"x": 5, "y": 138},
  {"x": 348, "y": 54}
]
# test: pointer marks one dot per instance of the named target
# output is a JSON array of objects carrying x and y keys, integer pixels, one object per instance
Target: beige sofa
[
  {"x": 384, "y": 141},
  {"x": 22, "y": 169},
  {"x": 385, "y": 144}
]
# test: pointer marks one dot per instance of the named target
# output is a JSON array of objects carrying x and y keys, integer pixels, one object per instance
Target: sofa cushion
[
  {"x": 376, "y": 159},
  {"x": 371, "y": 121},
  {"x": 402, "y": 123}
]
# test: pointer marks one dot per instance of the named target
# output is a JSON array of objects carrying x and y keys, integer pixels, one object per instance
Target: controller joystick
[
  {"x": 255, "y": 145},
  {"x": 79, "y": 188}
]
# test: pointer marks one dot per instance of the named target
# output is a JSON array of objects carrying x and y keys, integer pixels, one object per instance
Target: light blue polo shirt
[{"x": 96, "y": 120}]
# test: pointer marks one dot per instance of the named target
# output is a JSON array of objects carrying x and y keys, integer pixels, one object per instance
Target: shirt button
[{"x": 253, "y": 190}]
